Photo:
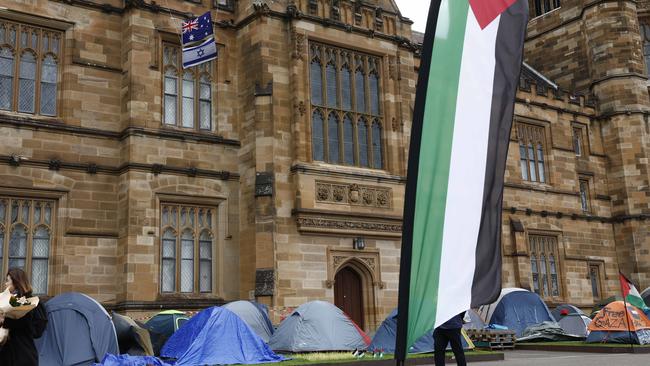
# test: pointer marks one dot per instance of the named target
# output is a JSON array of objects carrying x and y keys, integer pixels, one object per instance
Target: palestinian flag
[
  {"x": 469, "y": 72},
  {"x": 630, "y": 293}
]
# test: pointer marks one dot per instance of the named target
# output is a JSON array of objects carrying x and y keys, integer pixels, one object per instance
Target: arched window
[
  {"x": 348, "y": 141},
  {"x": 168, "y": 268},
  {"x": 205, "y": 103},
  {"x": 373, "y": 87},
  {"x": 18, "y": 247},
  {"x": 360, "y": 88},
  {"x": 316, "y": 82},
  {"x": 346, "y": 88},
  {"x": 48, "y": 86},
  {"x": 40, "y": 259},
  {"x": 171, "y": 97},
  {"x": 333, "y": 138},
  {"x": 188, "y": 99},
  {"x": 317, "y": 136},
  {"x": 332, "y": 88},
  {"x": 205, "y": 262},
  {"x": 362, "y": 133},
  {"x": 187, "y": 262},
  {"x": 27, "y": 83},
  {"x": 6, "y": 78},
  {"x": 376, "y": 146}
]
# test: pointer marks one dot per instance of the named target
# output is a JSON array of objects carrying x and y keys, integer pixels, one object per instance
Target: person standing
[
  {"x": 19, "y": 348},
  {"x": 449, "y": 332}
]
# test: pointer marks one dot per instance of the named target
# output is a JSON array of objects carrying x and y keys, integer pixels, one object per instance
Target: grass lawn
[
  {"x": 339, "y": 357},
  {"x": 582, "y": 344}
]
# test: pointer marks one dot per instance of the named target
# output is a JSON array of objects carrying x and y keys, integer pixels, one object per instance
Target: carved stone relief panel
[{"x": 353, "y": 194}]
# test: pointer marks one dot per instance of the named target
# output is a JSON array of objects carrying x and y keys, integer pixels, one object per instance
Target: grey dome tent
[
  {"x": 318, "y": 326},
  {"x": 79, "y": 332},
  {"x": 132, "y": 338},
  {"x": 565, "y": 309},
  {"x": 575, "y": 324},
  {"x": 254, "y": 316}
]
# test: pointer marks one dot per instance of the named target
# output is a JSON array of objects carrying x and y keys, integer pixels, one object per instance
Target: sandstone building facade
[{"x": 277, "y": 171}]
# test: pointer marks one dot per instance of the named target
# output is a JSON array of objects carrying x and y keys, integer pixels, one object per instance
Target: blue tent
[
  {"x": 384, "y": 339},
  {"x": 127, "y": 360},
  {"x": 79, "y": 332},
  {"x": 217, "y": 336},
  {"x": 516, "y": 309},
  {"x": 254, "y": 315}
]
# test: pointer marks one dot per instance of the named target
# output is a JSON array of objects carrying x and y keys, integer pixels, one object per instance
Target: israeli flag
[{"x": 206, "y": 51}]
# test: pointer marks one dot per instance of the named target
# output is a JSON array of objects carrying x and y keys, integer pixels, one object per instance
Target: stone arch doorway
[{"x": 348, "y": 294}]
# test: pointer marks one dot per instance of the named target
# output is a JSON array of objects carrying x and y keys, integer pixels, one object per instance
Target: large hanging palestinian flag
[{"x": 469, "y": 71}]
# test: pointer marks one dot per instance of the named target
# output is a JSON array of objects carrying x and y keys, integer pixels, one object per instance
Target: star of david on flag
[{"x": 198, "y": 41}]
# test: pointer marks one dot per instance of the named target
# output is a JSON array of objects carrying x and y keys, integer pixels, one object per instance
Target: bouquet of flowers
[{"x": 14, "y": 307}]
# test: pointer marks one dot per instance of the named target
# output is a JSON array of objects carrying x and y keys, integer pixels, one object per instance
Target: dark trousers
[{"x": 441, "y": 337}]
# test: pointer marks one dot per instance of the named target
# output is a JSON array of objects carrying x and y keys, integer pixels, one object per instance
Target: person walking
[
  {"x": 19, "y": 350},
  {"x": 449, "y": 332}
]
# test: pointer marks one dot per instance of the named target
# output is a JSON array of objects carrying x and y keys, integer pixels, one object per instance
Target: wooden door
[{"x": 348, "y": 294}]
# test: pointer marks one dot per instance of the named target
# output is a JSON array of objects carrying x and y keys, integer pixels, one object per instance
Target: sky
[{"x": 416, "y": 10}]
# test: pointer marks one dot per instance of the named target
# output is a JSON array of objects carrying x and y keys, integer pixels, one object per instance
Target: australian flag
[{"x": 198, "y": 41}]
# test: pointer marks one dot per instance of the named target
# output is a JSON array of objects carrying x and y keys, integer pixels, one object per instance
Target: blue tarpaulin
[
  {"x": 126, "y": 360},
  {"x": 217, "y": 336}
]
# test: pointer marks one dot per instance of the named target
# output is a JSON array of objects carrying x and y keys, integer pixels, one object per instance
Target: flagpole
[
  {"x": 401, "y": 337},
  {"x": 627, "y": 324}
]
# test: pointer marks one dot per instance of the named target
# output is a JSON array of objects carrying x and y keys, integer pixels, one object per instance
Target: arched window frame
[
  {"x": 359, "y": 67},
  {"x": 34, "y": 218},
  {"x": 41, "y": 44},
  {"x": 202, "y": 77},
  {"x": 188, "y": 225}
]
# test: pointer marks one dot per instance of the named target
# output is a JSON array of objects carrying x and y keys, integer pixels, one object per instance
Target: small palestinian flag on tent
[
  {"x": 630, "y": 293},
  {"x": 469, "y": 72}
]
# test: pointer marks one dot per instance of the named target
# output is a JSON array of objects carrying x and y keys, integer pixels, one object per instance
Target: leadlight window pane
[
  {"x": 6, "y": 78},
  {"x": 168, "y": 272},
  {"x": 2, "y": 211},
  {"x": 187, "y": 262},
  {"x": 171, "y": 104},
  {"x": 373, "y": 86},
  {"x": 584, "y": 200},
  {"x": 27, "y": 83},
  {"x": 360, "y": 91},
  {"x": 316, "y": 83},
  {"x": 205, "y": 105},
  {"x": 12, "y": 36},
  {"x": 37, "y": 213},
  {"x": 318, "y": 137},
  {"x": 346, "y": 88},
  {"x": 540, "y": 163},
  {"x": 14, "y": 212},
  {"x": 2, "y": 247},
  {"x": 542, "y": 259},
  {"x": 523, "y": 162},
  {"x": 535, "y": 272},
  {"x": 330, "y": 74},
  {"x": 531, "y": 163},
  {"x": 205, "y": 257},
  {"x": 577, "y": 141},
  {"x": 18, "y": 247},
  {"x": 554, "y": 285},
  {"x": 40, "y": 257},
  {"x": 3, "y": 32},
  {"x": 362, "y": 132},
  {"x": 188, "y": 100},
  {"x": 48, "y": 86},
  {"x": 376, "y": 146},
  {"x": 25, "y": 212},
  {"x": 46, "y": 42},
  {"x": 593, "y": 274},
  {"x": 48, "y": 214},
  {"x": 333, "y": 139},
  {"x": 348, "y": 141}
]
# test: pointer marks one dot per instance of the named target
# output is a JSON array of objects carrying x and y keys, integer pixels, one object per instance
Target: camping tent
[
  {"x": 254, "y": 316},
  {"x": 516, "y": 309},
  {"x": 131, "y": 337},
  {"x": 162, "y": 325},
  {"x": 79, "y": 332},
  {"x": 384, "y": 339},
  {"x": 318, "y": 326},
  {"x": 575, "y": 324},
  {"x": 566, "y": 309},
  {"x": 475, "y": 321},
  {"x": 611, "y": 326},
  {"x": 602, "y": 303},
  {"x": 217, "y": 336}
]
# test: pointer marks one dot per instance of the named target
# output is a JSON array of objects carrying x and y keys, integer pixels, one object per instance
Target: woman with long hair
[{"x": 19, "y": 348}]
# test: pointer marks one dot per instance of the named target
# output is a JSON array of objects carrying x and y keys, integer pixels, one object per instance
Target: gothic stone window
[
  {"x": 594, "y": 277},
  {"x": 187, "y": 100},
  {"x": 578, "y": 147},
  {"x": 645, "y": 35},
  {"x": 347, "y": 121},
  {"x": 540, "y": 7},
  {"x": 26, "y": 231},
  {"x": 544, "y": 265},
  {"x": 187, "y": 247},
  {"x": 29, "y": 68},
  {"x": 531, "y": 152}
]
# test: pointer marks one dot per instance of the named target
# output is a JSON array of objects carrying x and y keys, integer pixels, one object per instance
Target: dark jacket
[
  {"x": 454, "y": 323},
  {"x": 19, "y": 350}
]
